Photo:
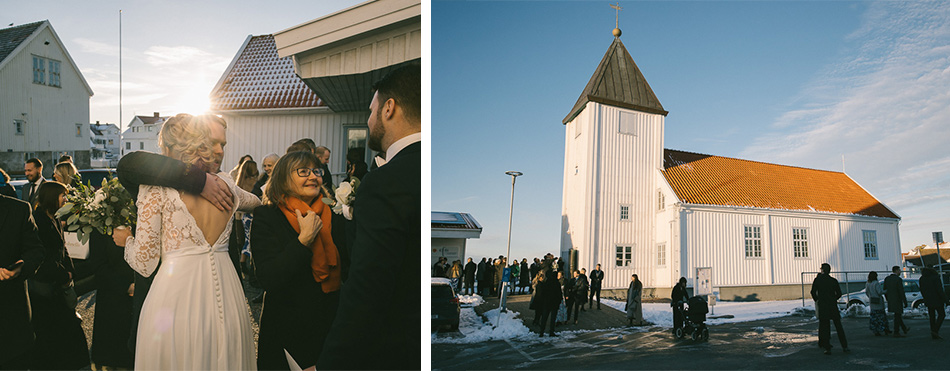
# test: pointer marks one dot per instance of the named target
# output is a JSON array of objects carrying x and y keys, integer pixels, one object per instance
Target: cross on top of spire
[{"x": 618, "y": 8}]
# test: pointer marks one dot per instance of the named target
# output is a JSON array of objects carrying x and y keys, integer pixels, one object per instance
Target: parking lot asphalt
[{"x": 789, "y": 342}]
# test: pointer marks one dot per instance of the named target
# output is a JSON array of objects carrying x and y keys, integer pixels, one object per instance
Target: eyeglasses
[{"x": 305, "y": 172}]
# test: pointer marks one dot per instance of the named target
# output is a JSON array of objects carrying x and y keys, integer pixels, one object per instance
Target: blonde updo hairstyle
[
  {"x": 65, "y": 171},
  {"x": 188, "y": 138}
]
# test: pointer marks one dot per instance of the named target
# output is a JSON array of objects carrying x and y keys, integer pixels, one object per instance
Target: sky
[
  {"x": 857, "y": 86},
  {"x": 173, "y": 52}
]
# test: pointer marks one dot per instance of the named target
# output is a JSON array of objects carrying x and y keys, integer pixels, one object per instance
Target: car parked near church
[{"x": 911, "y": 291}]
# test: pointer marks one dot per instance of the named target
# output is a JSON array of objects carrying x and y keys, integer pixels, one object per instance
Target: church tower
[{"x": 612, "y": 167}]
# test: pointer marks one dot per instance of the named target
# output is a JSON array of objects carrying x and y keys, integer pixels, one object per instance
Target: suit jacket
[
  {"x": 596, "y": 277},
  {"x": 19, "y": 242},
  {"x": 297, "y": 313},
  {"x": 825, "y": 291},
  {"x": 31, "y": 196},
  {"x": 377, "y": 326},
  {"x": 894, "y": 291},
  {"x": 141, "y": 167}
]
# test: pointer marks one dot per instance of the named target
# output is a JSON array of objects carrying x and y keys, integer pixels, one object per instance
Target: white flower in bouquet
[{"x": 345, "y": 194}]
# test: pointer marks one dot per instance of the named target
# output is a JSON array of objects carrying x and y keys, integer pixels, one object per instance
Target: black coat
[
  {"x": 8, "y": 190},
  {"x": 825, "y": 291},
  {"x": 258, "y": 189},
  {"x": 470, "y": 269},
  {"x": 385, "y": 271},
  {"x": 932, "y": 291},
  {"x": 581, "y": 287},
  {"x": 110, "y": 334},
  {"x": 679, "y": 296},
  {"x": 596, "y": 278},
  {"x": 548, "y": 294},
  {"x": 60, "y": 340},
  {"x": 297, "y": 313},
  {"x": 20, "y": 242},
  {"x": 480, "y": 273},
  {"x": 894, "y": 292}
]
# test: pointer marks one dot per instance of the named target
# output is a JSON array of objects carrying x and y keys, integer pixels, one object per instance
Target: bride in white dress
[{"x": 195, "y": 316}]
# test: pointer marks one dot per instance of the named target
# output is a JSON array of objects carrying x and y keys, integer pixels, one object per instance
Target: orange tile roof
[
  {"x": 260, "y": 79},
  {"x": 713, "y": 180}
]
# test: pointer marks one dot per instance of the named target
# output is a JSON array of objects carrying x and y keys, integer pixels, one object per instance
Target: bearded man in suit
[{"x": 385, "y": 254}]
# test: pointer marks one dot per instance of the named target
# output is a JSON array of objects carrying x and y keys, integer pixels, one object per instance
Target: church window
[
  {"x": 624, "y": 212},
  {"x": 628, "y": 123},
  {"x": 624, "y": 256},
  {"x": 870, "y": 244},
  {"x": 39, "y": 70},
  {"x": 661, "y": 254},
  {"x": 660, "y": 200},
  {"x": 753, "y": 241},
  {"x": 800, "y": 242}
]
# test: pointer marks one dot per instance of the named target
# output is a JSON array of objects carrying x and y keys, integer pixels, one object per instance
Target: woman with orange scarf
[{"x": 297, "y": 264}]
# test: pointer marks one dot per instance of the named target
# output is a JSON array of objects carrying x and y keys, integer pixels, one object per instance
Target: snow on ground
[
  {"x": 661, "y": 314},
  {"x": 473, "y": 329},
  {"x": 471, "y": 300}
]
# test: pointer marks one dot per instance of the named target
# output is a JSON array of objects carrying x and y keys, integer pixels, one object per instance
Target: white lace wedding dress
[{"x": 195, "y": 316}]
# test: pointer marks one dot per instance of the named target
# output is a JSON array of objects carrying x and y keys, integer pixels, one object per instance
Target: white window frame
[
  {"x": 624, "y": 256},
  {"x": 18, "y": 127},
  {"x": 628, "y": 123},
  {"x": 870, "y": 244},
  {"x": 661, "y": 254},
  {"x": 660, "y": 200},
  {"x": 39, "y": 70},
  {"x": 624, "y": 213},
  {"x": 752, "y": 241},
  {"x": 141, "y": 145},
  {"x": 54, "y": 73},
  {"x": 800, "y": 243},
  {"x": 128, "y": 145}
]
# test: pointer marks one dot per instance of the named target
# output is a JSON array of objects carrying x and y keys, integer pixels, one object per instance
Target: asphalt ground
[{"x": 789, "y": 342}]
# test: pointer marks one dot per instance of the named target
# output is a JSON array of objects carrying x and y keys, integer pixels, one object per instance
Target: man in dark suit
[
  {"x": 20, "y": 244},
  {"x": 596, "y": 277},
  {"x": 377, "y": 325},
  {"x": 34, "y": 174},
  {"x": 470, "y": 268},
  {"x": 826, "y": 291},
  {"x": 896, "y": 299}
]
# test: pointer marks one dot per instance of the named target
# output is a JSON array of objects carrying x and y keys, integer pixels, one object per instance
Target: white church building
[{"x": 741, "y": 229}]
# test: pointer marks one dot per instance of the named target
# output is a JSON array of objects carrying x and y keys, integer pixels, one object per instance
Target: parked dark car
[
  {"x": 94, "y": 177},
  {"x": 445, "y": 304}
]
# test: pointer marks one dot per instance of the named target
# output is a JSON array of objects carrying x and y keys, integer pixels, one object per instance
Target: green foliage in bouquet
[{"x": 87, "y": 210}]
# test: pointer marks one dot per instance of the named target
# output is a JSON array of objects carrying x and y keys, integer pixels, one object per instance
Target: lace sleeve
[
  {"x": 144, "y": 251},
  {"x": 244, "y": 200}
]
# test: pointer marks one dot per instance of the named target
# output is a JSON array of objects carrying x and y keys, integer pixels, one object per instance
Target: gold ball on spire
[{"x": 617, "y": 32}]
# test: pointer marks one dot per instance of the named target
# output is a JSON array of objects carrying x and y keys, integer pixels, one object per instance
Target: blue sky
[
  {"x": 173, "y": 51},
  {"x": 799, "y": 83}
]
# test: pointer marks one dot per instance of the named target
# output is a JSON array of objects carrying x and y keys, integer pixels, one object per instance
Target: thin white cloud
[{"x": 885, "y": 106}]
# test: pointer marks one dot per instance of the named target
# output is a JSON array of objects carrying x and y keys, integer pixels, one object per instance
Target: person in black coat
[
  {"x": 570, "y": 285},
  {"x": 896, "y": 299},
  {"x": 596, "y": 279},
  {"x": 581, "y": 286},
  {"x": 825, "y": 290},
  {"x": 470, "y": 269},
  {"x": 548, "y": 299},
  {"x": 533, "y": 270},
  {"x": 20, "y": 246},
  {"x": 936, "y": 300},
  {"x": 113, "y": 285},
  {"x": 385, "y": 255},
  {"x": 60, "y": 340},
  {"x": 480, "y": 273},
  {"x": 297, "y": 311},
  {"x": 678, "y": 298}
]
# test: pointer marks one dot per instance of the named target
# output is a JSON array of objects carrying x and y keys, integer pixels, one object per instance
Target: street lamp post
[{"x": 505, "y": 283}]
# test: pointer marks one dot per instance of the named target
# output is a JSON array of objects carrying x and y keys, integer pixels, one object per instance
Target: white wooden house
[
  {"x": 268, "y": 107},
  {"x": 739, "y": 228},
  {"x": 142, "y": 134},
  {"x": 44, "y": 99},
  {"x": 104, "y": 140}
]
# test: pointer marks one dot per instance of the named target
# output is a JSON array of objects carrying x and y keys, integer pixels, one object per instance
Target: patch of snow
[
  {"x": 473, "y": 300},
  {"x": 661, "y": 314},
  {"x": 476, "y": 330}
]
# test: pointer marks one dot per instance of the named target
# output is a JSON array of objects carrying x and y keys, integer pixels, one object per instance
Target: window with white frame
[
  {"x": 624, "y": 212},
  {"x": 660, "y": 200},
  {"x": 870, "y": 244},
  {"x": 54, "y": 73},
  {"x": 753, "y": 241},
  {"x": 18, "y": 127},
  {"x": 128, "y": 145},
  {"x": 141, "y": 145},
  {"x": 149, "y": 128},
  {"x": 39, "y": 70},
  {"x": 800, "y": 242},
  {"x": 628, "y": 123},
  {"x": 624, "y": 256},
  {"x": 661, "y": 254}
]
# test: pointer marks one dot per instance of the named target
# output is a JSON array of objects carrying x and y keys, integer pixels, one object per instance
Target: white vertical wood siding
[
  {"x": 51, "y": 112},
  {"x": 822, "y": 247},
  {"x": 852, "y": 246},
  {"x": 261, "y": 134},
  {"x": 667, "y": 225},
  {"x": 716, "y": 240}
]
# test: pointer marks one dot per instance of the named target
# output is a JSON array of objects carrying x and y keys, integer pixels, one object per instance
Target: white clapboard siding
[
  {"x": 274, "y": 131},
  {"x": 51, "y": 113}
]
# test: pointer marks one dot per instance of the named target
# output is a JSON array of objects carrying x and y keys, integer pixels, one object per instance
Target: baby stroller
[{"x": 694, "y": 318}]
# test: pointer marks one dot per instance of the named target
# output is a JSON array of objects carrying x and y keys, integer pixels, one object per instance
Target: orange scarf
[{"x": 326, "y": 258}]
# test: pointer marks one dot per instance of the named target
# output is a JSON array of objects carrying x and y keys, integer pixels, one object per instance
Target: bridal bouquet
[
  {"x": 109, "y": 207},
  {"x": 345, "y": 194}
]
